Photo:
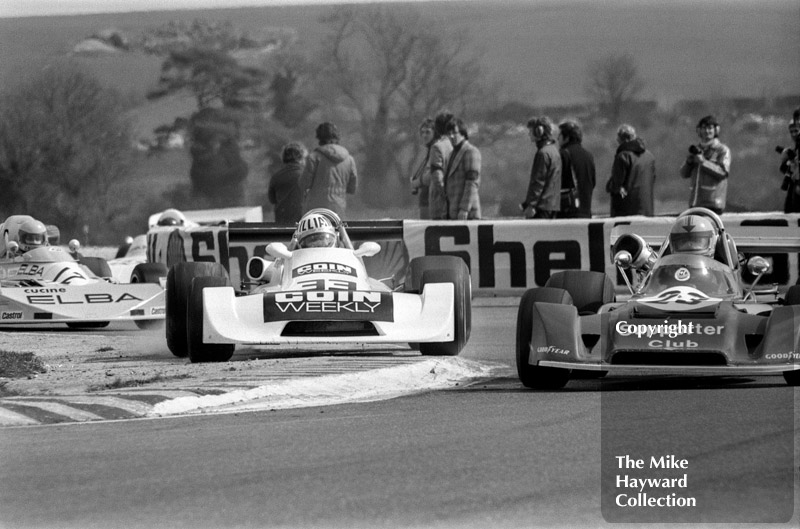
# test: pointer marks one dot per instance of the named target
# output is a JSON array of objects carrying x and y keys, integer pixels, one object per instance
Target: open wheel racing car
[
  {"x": 688, "y": 313},
  {"x": 316, "y": 290}
]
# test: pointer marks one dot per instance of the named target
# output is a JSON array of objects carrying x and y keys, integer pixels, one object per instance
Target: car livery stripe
[{"x": 338, "y": 305}]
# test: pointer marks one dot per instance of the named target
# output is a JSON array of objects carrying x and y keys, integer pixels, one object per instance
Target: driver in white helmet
[
  {"x": 26, "y": 231},
  {"x": 315, "y": 231},
  {"x": 693, "y": 234}
]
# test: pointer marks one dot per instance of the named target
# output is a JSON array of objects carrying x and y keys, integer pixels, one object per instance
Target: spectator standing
[
  {"x": 421, "y": 179},
  {"x": 790, "y": 168},
  {"x": 463, "y": 174},
  {"x": 284, "y": 191},
  {"x": 330, "y": 173},
  {"x": 542, "y": 201},
  {"x": 708, "y": 165},
  {"x": 633, "y": 176},
  {"x": 577, "y": 165},
  {"x": 437, "y": 161}
]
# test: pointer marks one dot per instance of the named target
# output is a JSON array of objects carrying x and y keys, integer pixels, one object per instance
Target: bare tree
[
  {"x": 64, "y": 151},
  {"x": 613, "y": 83},
  {"x": 390, "y": 68}
]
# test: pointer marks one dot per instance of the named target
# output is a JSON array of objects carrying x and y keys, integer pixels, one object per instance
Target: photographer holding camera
[
  {"x": 789, "y": 167},
  {"x": 708, "y": 165}
]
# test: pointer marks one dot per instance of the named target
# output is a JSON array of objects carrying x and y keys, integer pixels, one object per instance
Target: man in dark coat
[
  {"x": 633, "y": 176},
  {"x": 543, "y": 198},
  {"x": 577, "y": 168},
  {"x": 284, "y": 191},
  {"x": 330, "y": 174}
]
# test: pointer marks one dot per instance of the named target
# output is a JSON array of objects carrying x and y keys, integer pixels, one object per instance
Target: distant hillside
[{"x": 537, "y": 50}]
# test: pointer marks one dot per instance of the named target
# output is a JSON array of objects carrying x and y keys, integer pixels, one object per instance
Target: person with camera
[
  {"x": 543, "y": 199},
  {"x": 708, "y": 165},
  {"x": 633, "y": 176},
  {"x": 790, "y": 167}
]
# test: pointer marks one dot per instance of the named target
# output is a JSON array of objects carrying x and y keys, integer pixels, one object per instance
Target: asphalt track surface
[{"x": 492, "y": 454}]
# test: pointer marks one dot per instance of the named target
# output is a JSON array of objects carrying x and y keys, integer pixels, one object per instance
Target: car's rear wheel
[
  {"x": 198, "y": 350},
  {"x": 537, "y": 377},
  {"x": 792, "y": 298},
  {"x": 179, "y": 284},
  {"x": 451, "y": 270},
  {"x": 148, "y": 273},
  {"x": 97, "y": 265}
]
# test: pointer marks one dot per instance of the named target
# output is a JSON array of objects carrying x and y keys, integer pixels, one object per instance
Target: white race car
[
  {"x": 48, "y": 285},
  {"x": 313, "y": 295}
]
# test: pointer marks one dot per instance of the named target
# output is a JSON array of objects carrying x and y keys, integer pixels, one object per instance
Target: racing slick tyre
[
  {"x": 97, "y": 265},
  {"x": 418, "y": 265},
  {"x": 792, "y": 296},
  {"x": 453, "y": 270},
  {"x": 589, "y": 290},
  {"x": 179, "y": 284},
  {"x": 536, "y": 377},
  {"x": 199, "y": 351},
  {"x": 148, "y": 273},
  {"x": 87, "y": 324}
]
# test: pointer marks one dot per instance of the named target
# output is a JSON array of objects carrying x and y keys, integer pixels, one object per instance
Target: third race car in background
[{"x": 689, "y": 312}]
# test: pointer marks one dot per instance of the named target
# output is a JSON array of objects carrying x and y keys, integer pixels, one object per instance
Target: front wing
[
  {"x": 100, "y": 301},
  {"x": 329, "y": 317},
  {"x": 757, "y": 345}
]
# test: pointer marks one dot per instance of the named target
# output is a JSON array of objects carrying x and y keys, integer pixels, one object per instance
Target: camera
[
  {"x": 694, "y": 149},
  {"x": 789, "y": 152}
]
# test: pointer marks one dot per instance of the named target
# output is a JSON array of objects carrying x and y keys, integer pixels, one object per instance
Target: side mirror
[
  {"x": 368, "y": 249},
  {"x": 74, "y": 245},
  {"x": 758, "y": 265},
  {"x": 278, "y": 250},
  {"x": 12, "y": 247},
  {"x": 258, "y": 269}
]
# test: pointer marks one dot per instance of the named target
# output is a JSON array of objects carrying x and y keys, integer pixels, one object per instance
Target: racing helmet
[
  {"x": 32, "y": 234},
  {"x": 315, "y": 231},
  {"x": 171, "y": 217},
  {"x": 693, "y": 234}
]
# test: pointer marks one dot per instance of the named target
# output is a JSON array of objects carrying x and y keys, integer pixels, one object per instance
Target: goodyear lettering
[
  {"x": 329, "y": 304},
  {"x": 324, "y": 268},
  {"x": 11, "y": 316},
  {"x": 86, "y": 299},
  {"x": 551, "y": 349}
]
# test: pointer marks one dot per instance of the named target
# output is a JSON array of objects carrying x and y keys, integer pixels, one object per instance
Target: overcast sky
[{"x": 22, "y": 8}]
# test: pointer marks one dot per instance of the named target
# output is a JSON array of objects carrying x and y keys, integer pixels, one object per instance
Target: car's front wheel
[
  {"x": 200, "y": 351},
  {"x": 537, "y": 377},
  {"x": 452, "y": 270},
  {"x": 179, "y": 284}
]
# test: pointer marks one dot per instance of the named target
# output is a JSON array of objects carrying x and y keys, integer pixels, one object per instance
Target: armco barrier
[{"x": 504, "y": 256}]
